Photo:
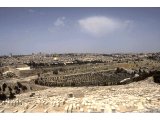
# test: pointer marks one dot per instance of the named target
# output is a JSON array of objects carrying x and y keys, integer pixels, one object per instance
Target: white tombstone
[
  {"x": 70, "y": 108},
  {"x": 88, "y": 107},
  {"x": 15, "y": 111},
  {"x": 108, "y": 109},
  {"x": 94, "y": 108},
  {"x": 10, "y": 103},
  {"x": 89, "y": 104},
  {"x": 14, "y": 103},
  {"x": 74, "y": 106},
  {"x": 43, "y": 103},
  {"x": 3, "y": 102},
  {"x": 20, "y": 102},
  {"x": 89, "y": 110},
  {"x": 24, "y": 111},
  {"x": 83, "y": 103},
  {"x": 2, "y": 111},
  {"x": 46, "y": 111},
  {"x": 78, "y": 106},
  {"x": 54, "y": 104},
  {"x": 66, "y": 109},
  {"x": 57, "y": 105},
  {"x": 61, "y": 103},
  {"x": 81, "y": 110},
  {"x": 17, "y": 102},
  {"x": 26, "y": 106},
  {"x": 46, "y": 103},
  {"x": 140, "y": 106}
]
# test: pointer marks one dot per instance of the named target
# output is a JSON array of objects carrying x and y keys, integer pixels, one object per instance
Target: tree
[
  {"x": 1, "y": 73},
  {"x": 55, "y": 72},
  {"x": 36, "y": 81},
  {"x": 17, "y": 90},
  {"x": 72, "y": 84},
  {"x": 10, "y": 89},
  {"x": 19, "y": 85},
  {"x": 4, "y": 86},
  {"x": 38, "y": 74},
  {"x": 12, "y": 95},
  {"x": 156, "y": 78},
  {"x": 118, "y": 70},
  {"x": 3, "y": 96},
  {"x": 24, "y": 88}
]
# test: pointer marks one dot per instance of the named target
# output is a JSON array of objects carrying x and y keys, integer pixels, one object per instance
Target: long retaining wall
[{"x": 85, "y": 79}]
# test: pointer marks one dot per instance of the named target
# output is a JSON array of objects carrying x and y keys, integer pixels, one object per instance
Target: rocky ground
[{"x": 143, "y": 96}]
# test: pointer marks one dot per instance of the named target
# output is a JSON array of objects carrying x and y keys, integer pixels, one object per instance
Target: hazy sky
[{"x": 71, "y": 30}]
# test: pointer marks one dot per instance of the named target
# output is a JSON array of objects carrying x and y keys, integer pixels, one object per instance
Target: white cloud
[
  {"x": 60, "y": 21},
  {"x": 31, "y": 10},
  {"x": 58, "y": 25},
  {"x": 101, "y": 25}
]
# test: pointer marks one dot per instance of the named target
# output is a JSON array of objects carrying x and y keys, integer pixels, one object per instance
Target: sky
[{"x": 79, "y": 30}]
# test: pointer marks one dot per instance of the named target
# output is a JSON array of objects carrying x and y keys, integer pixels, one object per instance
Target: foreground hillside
[{"x": 142, "y": 96}]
